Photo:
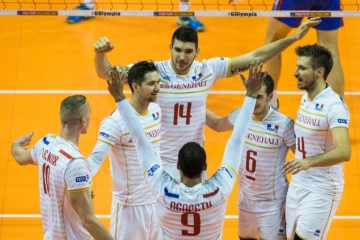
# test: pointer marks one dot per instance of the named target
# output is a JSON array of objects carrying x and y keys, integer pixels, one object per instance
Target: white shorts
[
  {"x": 171, "y": 169},
  {"x": 260, "y": 219},
  {"x": 134, "y": 222},
  {"x": 307, "y": 214}
]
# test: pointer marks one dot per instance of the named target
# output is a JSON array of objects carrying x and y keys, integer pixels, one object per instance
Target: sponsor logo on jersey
[
  {"x": 152, "y": 170},
  {"x": 317, "y": 232},
  {"x": 281, "y": 232},
  {"x": 227, "y": 170},
  {"x": 342, "y": 121},
  {"x": 82, "y": 178},
  {"x": 105, "y": 135}
]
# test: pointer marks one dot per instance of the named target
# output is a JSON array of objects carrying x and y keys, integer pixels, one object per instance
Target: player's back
[
  {"x": 196, "y": 212},
  {"x": 182, "y": 99},
  {"x": 315, "y": 119},
  {"x": 53, "y": 156},
  {"x": 265, "y": 148}
]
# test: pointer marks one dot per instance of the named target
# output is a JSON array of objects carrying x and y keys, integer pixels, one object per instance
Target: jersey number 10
[{"x": 46, "y": 178}]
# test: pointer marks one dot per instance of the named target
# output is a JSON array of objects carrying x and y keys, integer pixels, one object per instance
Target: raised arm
[
  {"x": 22, "y": 155},
  {"x": 102, "y": 64},
  {"x": 232, "y": 155},
  {"x": 266, "y": 52},
  {"x": 146, "y": 155}
]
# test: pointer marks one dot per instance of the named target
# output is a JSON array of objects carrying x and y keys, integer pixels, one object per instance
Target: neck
[
  {"x": 186, "y": 71},
  {"x": 316, "y": 89},
  {"x": 70, "y": 135},
  {"x": 261, "y": 116},
  {"x": 190, "y": 182},
  {"x": 140, "y": 106}
]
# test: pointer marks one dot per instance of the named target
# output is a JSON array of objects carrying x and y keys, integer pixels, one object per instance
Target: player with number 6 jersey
[
  {"x": 186, "y": 84},
  {"x": 262, "y": 183}
]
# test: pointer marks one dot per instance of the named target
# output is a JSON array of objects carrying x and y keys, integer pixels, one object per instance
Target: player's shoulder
[
  {"x": 329, "y": 99},
  {"x": 211, "y": 61},
  {"x": 112, "y": 118},
  {"x": 281, "y": 118},
  {"x": 154, "y": 106}
]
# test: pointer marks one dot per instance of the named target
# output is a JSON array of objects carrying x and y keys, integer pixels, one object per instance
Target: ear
[
  {"x": 82, "y": 121},
  {"x": 135, "y": 86},
  {"x": 205, "y": 167},
  {"x": 320, "y": 72},
  {"x": 197, "y": 52},
  {"x": 178, "y": 165},
  {"x": 271, "y": 95},
  {"x": 170, "y": 48}
]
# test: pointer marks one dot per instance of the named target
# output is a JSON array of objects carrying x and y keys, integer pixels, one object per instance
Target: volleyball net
[{"x": 111, "y": 8}]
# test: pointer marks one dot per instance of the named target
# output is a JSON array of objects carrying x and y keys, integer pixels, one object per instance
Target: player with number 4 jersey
[
  {"x": 322, "y": 145},
  {"x": 185, "y": 84},
  {"x": 262, "y": 183}
]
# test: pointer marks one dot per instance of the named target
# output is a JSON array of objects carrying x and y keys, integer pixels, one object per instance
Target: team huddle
[{"x": 155, "y": 141}]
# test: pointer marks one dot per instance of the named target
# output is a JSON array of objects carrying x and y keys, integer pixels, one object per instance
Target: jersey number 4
[
  {"x": 194, "y": 222},
  {"x": 180, "y": 113},
  {"x": 301, "y": 146},
  {"x": 46, "y": 178}
]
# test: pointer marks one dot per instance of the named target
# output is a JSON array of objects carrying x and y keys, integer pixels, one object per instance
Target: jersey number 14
[{"x": 180, "y": 113}]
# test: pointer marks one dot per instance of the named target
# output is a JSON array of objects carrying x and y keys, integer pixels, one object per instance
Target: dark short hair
[
  {"x": 319, "y": 57},
  {"x": 185, "y": 34},
  {"x": 192, "y": 159},
  {"x": 138, "y": 70},
  {"x": 269, "y": 84}
]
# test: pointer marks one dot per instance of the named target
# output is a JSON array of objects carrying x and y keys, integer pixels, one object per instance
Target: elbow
[
  {"x": 87, "y": 221},
  {"x": 19, "y": 161},
  {"x": 347, "y": 155},
  {"x": 101, "y": 75}
]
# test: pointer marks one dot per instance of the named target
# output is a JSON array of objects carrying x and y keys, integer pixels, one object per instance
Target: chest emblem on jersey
[
  {"x": 156, "y": 116},
  {"x": 197, "y": 78},
  {"x": 317, "y": 232},
  {"x": 319, "y": 107},
  {"x": 281, "y": 232},
  {"x": 273, "y": 127}
]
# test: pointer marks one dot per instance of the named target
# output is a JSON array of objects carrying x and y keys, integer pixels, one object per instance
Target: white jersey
[
  {"x": 266, "y": 145},
  {"x": 182, "y": 99},
  {"x": 129, "y": 186},
  {"x": 62, "y": 168},
  {"x": 191, "y": 213},
  {"x": 314, "y": 121}
]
